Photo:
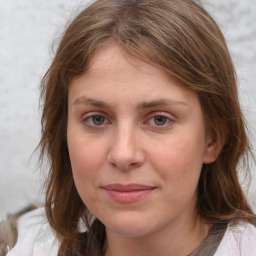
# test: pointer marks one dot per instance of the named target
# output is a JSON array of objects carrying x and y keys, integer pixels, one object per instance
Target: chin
[{"x": 129, "y": 226}]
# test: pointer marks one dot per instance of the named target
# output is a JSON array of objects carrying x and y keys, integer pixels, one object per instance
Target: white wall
[
  {"x": 237, "y": 18},
  {"x": 27, "y": 28}
]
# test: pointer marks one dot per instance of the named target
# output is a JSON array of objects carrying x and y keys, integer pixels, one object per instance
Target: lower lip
[{"x": 128, "y": 196}]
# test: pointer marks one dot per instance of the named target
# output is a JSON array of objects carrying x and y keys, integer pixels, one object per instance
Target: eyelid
[
  {"x": 93, "y": 113},
  {"x": 162, "y": 113}
]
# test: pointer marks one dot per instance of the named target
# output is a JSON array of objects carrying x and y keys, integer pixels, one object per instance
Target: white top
[
  {"x": 238, "y": 241},
  {"x": 36, "y": 238}
]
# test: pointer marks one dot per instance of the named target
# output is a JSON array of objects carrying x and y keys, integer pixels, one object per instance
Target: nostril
[{"x": 134, "y": 164}]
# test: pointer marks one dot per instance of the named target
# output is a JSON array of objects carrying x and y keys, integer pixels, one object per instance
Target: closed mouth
[{"x": 128, "y": 193}]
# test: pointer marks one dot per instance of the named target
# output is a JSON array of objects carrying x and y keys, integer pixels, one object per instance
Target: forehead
[
  {"x": 114, "y": 76},
  {"x": 112, "y": 65},
  {"x": 114, "y": 59}
]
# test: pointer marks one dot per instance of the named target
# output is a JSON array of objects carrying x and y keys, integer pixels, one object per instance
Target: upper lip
[{"x": 128, "y": 187}]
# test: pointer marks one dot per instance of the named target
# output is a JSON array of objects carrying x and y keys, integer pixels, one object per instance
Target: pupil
[
  {"x": 98, "y": 120},
  {"x": 160, "y": 120}
]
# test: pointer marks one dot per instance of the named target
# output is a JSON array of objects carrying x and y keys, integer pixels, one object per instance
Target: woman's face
[{"x": 137, "y": 143}]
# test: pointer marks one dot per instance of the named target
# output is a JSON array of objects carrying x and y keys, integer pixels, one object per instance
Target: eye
[
  {"x": 160, "y": 120},
  {"x": 95, "y": 120}
]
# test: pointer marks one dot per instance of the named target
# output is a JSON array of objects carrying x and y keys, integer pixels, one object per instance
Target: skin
[{"x": 128, "y": 123}]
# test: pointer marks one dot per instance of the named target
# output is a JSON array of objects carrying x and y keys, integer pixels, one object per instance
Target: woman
[{"x": 144, "y": 133}]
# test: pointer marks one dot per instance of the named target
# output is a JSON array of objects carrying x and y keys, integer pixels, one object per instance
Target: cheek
[
  {"x": 86, "y": 158},
  {"x": 85, "y": 165},
  {"x": 179, "y": 163}
]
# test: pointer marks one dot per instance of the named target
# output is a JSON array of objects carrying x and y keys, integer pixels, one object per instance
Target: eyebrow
[
  {"x": 160, "y": 102},
  {"x": 142, "y": 105},
  {"x": 93, "y": 102}
]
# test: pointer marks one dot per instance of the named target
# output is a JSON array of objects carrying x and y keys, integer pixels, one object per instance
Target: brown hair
[{"x": 179, "y": 37}]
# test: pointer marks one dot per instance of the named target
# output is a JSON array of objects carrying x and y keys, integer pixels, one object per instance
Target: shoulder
[
  {"x": 35, "y": 236},
  {"x": 239, "y": 239}
]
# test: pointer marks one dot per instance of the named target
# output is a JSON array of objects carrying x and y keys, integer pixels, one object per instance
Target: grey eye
[
  {"x": 160, "y": 120},
  {"x": 98, "y": 120}
]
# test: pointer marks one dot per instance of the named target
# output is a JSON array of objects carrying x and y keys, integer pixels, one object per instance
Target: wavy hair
[{"x": 182, "y": 39}]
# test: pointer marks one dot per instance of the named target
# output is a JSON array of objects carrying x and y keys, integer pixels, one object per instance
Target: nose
[{"x": 126, "y": 148}]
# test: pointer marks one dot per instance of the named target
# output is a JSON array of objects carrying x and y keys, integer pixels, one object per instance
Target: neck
[{"x": 179, "y": 240}]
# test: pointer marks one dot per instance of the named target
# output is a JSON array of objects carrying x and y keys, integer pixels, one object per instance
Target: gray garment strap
[{"x": 210, "y": 245}]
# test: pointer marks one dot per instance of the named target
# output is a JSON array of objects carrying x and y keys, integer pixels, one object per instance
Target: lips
[{"x": 130, "y": 193}]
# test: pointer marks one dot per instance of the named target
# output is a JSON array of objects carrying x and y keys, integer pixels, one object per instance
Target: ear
[{"x": 214, "y": 145}]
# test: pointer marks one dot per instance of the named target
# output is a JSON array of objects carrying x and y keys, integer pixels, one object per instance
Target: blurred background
[{"x": 27, "y": 30}]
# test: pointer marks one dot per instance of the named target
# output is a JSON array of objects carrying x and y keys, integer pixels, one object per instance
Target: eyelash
[{"x": 89, "y": 122}]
